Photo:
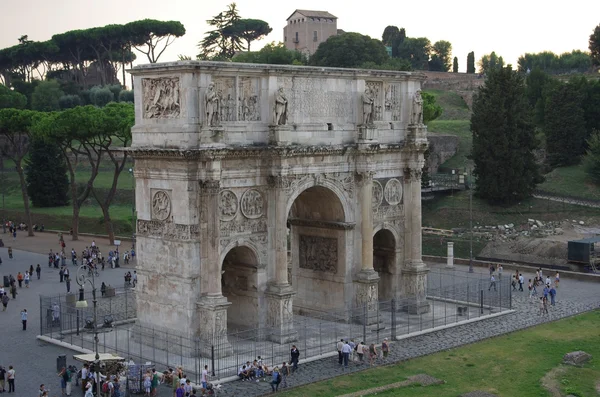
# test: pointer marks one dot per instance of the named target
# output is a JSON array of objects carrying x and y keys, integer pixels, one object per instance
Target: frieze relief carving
[
  {"x": 377, "y": 197},
  {"x": 167, "y": 230},
  {"x": 228, "y": 205},
  {"x": 161, "y": 205},
  {"x": 161, "y": 98},
  {"x": 252, "y": 204},
  {"x": 288, "y": 182},
  {"x": 225, "y": 89},
  {"x": 393, "y": 101},
  {"x": 384, "y": 212},
  {"x": 243, "y": 226},
  {"x": 393, "y": 191},
  {"x": 248, "y": 99},
  {"x": 367, "y": 295},
  {"x": 318, "y": 253}
]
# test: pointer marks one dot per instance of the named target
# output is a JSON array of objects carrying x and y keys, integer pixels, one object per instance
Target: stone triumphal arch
[{"x": 266, "y": 190}]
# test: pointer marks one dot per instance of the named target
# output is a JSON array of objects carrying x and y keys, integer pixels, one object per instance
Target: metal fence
[{"x": 452, "y": 296}]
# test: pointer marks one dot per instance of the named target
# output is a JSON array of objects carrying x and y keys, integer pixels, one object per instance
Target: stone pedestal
[
  {"x": 450, "y": 256},
  {"x": 212, "y": 326},
  {"x": 414, "y": 280},
  {"x": 367, "y": 295},
  {"x": 210, "y": 135},
  {"x": 417, "y": 134},
  {"x": 280, "y": 135},
  {"x": 367, "y": 134},
  {"x": 280, "y": 317}
]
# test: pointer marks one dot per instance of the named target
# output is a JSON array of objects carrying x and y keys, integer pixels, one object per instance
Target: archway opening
[
  {"x": 384, "y": 257},
  {"x": 239, "y": 286},
  {"x": 317, "y": 248}
]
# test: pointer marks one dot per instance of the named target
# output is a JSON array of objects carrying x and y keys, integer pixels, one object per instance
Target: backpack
[{"x": 105, "y": 387}]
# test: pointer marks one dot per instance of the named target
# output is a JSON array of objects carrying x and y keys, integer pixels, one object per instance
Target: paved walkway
[{"x": 35, "y": 362}]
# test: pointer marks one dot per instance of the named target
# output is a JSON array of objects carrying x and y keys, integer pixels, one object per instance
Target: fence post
[
  {"x": 41, "y": 317},
  {"x": 481, "y": 300},
  {"x": 320, "y": 338},
  {"x": 393, "y": 336},
  {"x": 468, "y": 298},
  {"x": 365, "y": 321},
  {"x": 510, "y": 298},
  {"x": 212, "y": 358},
  {"x": 167, "y": 346}
]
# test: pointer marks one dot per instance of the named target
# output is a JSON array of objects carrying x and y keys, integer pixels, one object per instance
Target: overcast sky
[{"x": 510, "y": 27}]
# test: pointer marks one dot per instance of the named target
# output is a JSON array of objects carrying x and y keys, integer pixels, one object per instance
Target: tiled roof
[{"x": 314, "y": 14}]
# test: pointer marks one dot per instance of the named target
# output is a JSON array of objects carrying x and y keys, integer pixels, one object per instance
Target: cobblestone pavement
[{"x": 35, "y": 362}]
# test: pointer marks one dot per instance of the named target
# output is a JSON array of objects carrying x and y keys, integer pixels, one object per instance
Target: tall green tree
[
  {"x": 441, "y": 58},
  {"x": 273, "y": 53},
  {"x": 152, "y": 37},
  {"x": 46, "y": 96},
  {"x": 15, "y": 130},
  {"x": 46, "y": 175},
  {"x": 455, "y": 65},
  {"x": 249, "y": 30},
  {"x": 390, "y": 33},
  {"x": 591, "y": 160},
  {"x": 11, "y": 99},
  {"x": 594, "y": 45},
  {"x": 416, "y": 50},
  {"x": 471, "y": 62},
  {"x": 564, "y": 126},
  {"x": 349, "y": 50},
  {"x": 503, "y": 139},
  {"x": 490, "y": 62},
  {"x": 223, "y": 41},
  {"x": 431, "y": 110}
]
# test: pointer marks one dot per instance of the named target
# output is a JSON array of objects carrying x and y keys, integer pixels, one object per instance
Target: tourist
[
  {"x": 175, "y": 383},
  {"x": 134, "y": 278},
  {"x": 10, "y": 375},
  {"x": 353, "y": 347},
  {"x": 346, "y": 350},
  {"x": 103, "y": 289},
  {"x": 73, "y": 257},
  {"x": 66, "y": 273},
  {"x": 547, "y": 280},
  {"x": 521, "y": 282},
  {"x": 5, "y": 300},
  {"x": 556, "y": 279},
  {"x": 339, "y": 346},
  {"x": 147, "y": 383},
  {"x": 84, "y": 377},
  {"x": 116, "y": 387},
  {"x": 284, "y": 372},
  {"x": 552, "y": 296},
  {"x": 545, "y": 304},
  {"x": 155, "y": 382},
  {"x": 38, "y": 271},
  {"x": 514, "y": 283},
  {"x": 27, "y": 277},
  {"x": 385, "y": 348},
  {"x": 68, "y": 283},
  {"x": 276, "y": 380},
  {"x": 187, "y": 388},
  {"x": 63, "y": 375},
  {"x": 546, "y": 291},
  {"x": 243, "y": 373},
  {"x": 2, "y": 379},
  {"x": 204, "y": 377},
  {"x": 295, "y": 355},
  {"x": 500, "y": 271},
  {"x": 89, "y": 389},
  {"x": 360, "y": 350},
  {"x": 492, "y": 282},
  {"x": 180, "y": 392},
  {"x": 24, "y": 319},
  {"x": 532, "y": 291},
  {"x": 372, "y": 353},
  {"x": 20, "y": 279},
  {"x": 13, "y": 289}
]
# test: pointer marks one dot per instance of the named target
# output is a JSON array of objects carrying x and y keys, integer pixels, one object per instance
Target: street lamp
[
  {"x": 85, "y": 276},
  {"x": 132, "y": 209},
  {"x": 470, "y": 222}
]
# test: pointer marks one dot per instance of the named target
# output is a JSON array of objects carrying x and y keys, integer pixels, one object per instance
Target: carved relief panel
[
  {"x": 376, "y": 89},
  {"x": 225, "y": 88},
  {"x": 393, "y": 101},
  {"x": 228, "y": 205},
  {"x": 318, "y": 253},
  {"x": 161, "y": 204},
  {"x": 248, "y": 99},
  {"x": 393, "y": 192},
  {"x": 377, "y": 197},
  {"x": 161, "y": 98},
  {"x": 252, "y": 204}
]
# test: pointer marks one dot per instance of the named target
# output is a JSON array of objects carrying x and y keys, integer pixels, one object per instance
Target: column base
[
  {"x": 212, "y": 322},
  {"x": 367, "y": 297},
  {"x": 414, "y": 287},
  {"x": 280, "y": 135},
  {"x": 280, "y": 316},
  {"x": 367, "y": 134}
]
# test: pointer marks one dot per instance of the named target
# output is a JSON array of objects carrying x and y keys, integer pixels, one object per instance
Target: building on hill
[{"x": 306, "y": 29}]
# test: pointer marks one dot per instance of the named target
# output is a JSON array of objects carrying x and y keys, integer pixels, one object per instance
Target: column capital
[
  {"x": 364, "y": 176},
  {"x": 412, "y": 174}
]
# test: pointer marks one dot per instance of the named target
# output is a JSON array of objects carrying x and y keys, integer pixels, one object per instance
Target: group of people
[
  {"x": 349, "y": 351},
  {"x": 12, "y": 227},
  {"x": 7, "y": 379},
  {"x": 181, "y": 384}
]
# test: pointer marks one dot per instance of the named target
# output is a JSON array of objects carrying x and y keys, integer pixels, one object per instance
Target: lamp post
[
  {"x": 132, "y": 209},
  {"x": 82, "y": 277},
  {"x": 470, "y": 223}
]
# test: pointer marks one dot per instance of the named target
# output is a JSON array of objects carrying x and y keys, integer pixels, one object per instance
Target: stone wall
[{"x": 441, "y": 148}]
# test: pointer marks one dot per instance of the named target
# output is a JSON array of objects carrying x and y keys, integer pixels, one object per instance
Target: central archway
[
  {"x": 384, "y": 259},
  {"x": 239, "y": 286},
  {"x": 318, "y": 240}
]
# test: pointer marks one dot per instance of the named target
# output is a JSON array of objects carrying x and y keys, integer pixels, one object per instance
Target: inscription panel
[
  {"x": 309, "y": 99},
  {"x": 318, "y": 253}
]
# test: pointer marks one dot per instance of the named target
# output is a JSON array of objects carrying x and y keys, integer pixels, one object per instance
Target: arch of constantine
[{"x": 266, "y": 190}]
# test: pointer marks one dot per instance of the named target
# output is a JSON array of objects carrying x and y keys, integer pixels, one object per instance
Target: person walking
[
  {"x": 552, "y": 296},
  {"x": 276, "y": 380},
  {"x": 295, "y": 356},
  {"x": 492, "y": 283},
  {"x": 372, "y": 353},
  {"x": 346, "y": 350},
  {"x": 521, "y": 282},
  {"x": 13, "y": 290},
  {"x": 24, "y": 319},
  {"x": 360, "y": 351},
  {"x": 68, "y": 285},
  {"x": 556, "y": 280},
  {"x": 5, "y": 300},
  {"x": 27, "y": 278},
  {"x": 385, "y": 348},
  {"x": 10, "y": 253},
  {"x": 11, "y": 379},
  {"x": 20, "y": 279},
  {"x": 339, "y": 346},
  {"x": 38, "y": 271},
  {"x": 2, "y": 378}
]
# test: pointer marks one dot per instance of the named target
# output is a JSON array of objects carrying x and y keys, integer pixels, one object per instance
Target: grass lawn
[
  {"x": 571, "y": 181},
  {"x": 454, "y": 106},
  {"x": 460, "y": 128},
  {"x": 510, "y": 365}
]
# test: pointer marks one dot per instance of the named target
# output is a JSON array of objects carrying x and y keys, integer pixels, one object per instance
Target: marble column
[
  {"x": 212, "y": 306},
  {"x": 367, "y": 280},
  {"x": 414, "y": 273},
  {"x": 279, "y": 293}
]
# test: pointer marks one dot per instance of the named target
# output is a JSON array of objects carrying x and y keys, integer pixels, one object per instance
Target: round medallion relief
[
  {"x": 161, "y": 205},
  {"x": 393, "y": 192},
  {"x": 252, "y": 204},
  {"x": 228, "y": 205},
  {"x": 377, "y": 197}
]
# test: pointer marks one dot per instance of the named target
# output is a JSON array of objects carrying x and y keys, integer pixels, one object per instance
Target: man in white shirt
[
  {"x": 339, "y": 346},
  {"x": 360, "y": 351},
  {"x": 10, "y": 375},
  {"x": 84, "y": 377},
  {"x": 346, "y": 350},
  {"x": 204, "y": 378}
]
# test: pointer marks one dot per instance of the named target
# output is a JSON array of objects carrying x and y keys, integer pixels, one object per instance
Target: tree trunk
[
  {"x": 108, "y": 225},
  {"x": 28, "y": 219}
]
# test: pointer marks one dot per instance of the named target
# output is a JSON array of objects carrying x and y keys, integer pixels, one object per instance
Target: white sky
[{"x": 510, "y": 28}]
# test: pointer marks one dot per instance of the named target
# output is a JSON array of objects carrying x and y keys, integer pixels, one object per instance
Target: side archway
[
  {"x": 239, "y": 284},
  {"x": 384, "y": 261}
]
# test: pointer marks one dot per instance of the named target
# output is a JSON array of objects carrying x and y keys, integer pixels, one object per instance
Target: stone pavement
[{"x": 35, "y": 362}]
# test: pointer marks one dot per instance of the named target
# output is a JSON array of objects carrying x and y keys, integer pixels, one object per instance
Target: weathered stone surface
[
  {"x": 577, "y": 358},
  {"x": 479, "y": 393}
]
